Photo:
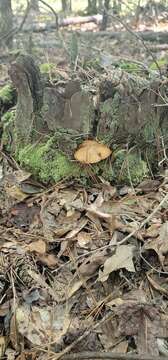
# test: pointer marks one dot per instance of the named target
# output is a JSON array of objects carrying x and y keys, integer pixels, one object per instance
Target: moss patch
[
  {"x": 46, "y": 68},
  {"x": 47, "y": 163},
  {"x": 126, "y": 169},
  {"x": 6, "y": 94},
  {"x": 8, "y": 135}
]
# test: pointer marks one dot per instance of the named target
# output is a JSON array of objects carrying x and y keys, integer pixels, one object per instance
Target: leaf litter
[{"x": 70, "y": 257}]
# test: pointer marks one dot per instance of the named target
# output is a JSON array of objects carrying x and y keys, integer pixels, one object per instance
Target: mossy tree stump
[{"x": 52, "y": 120}]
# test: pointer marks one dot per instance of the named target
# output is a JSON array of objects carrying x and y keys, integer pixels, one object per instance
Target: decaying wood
[
  {"x": 77, "y": 20},
  {"x": 159, "y": 36},
  {"x": 126, "y": 104}
]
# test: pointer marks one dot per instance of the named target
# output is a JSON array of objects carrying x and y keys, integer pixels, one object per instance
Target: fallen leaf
[
  {"x": 143, "y": 322},
  {"x": 159, "y": 244},
  {"x": 2, "y": 346},
  {"x": 38, "y": 325},
  {"x": 16, "y": 193},
  {"x": 48, "y": 259},
  {"x": 90, "y": 152},
  {"x": 74, "y": 287},
  {"x": 152, "y": 231},
  {"x": 158, "y": 283},
  {"x": 38, "y": 246},
  {"x": 14, "y": 336},
  {"x": 148, "y": 185},
  {"x": 121, "y": 259},
  {"x": 84, "y": 239}
]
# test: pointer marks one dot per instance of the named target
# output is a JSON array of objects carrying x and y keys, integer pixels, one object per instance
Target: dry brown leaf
[
  {"x": 143, "y": 321},
  {"x": 78, "y": 227},
  {"x": 14, "y": 336},
  {"x": 38, "y": 246},
  {"x": 48, "y": 259},
  {"x": 88, "y": 268},
  {"x": 148, "y": 185},
  {"x": 38, "y": 325},
  {"x": 16, "y": 193},
  {"x": 90, "y": 152},
  {"x": 61, "y": 284},
  {"x": 121, "y": 348},
  {"x": 152, "y": 231},
  {"x": 158, "y": 283},
  {"x": 84, "y": 239},
  {"x": 5, "y": 308},
  {"x": 132, "y": 297},
  {"x": 159, "y": 244},
  {"x": 121, "y": 259},
  {"x": 107, "y": 334},
  {"x": 3, "y": 344},
  {"x": 74, "y": 287}
]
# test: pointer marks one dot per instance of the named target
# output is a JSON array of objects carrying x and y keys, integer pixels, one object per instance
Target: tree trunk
[
  {"x": 105, "y": 15},
  {"x": 35, "y": 5},
  {"x": 116, "y": 7},
  {"x": 6, "y": 23},
  {"x": 66, "y": 5},
  {"x": 92, "y": 7}
]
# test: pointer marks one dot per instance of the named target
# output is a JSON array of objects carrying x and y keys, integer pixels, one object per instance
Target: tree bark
[
  {"x": 105, "y": 15},
  {"x": 92, "y": 7},
  {"x": 35, "y": 5},
  {"x": 6, "y": 23},
  {"x": 66, "y": 5}
]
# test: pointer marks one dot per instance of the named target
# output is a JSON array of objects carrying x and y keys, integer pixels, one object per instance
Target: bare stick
[{"x": 80, "y": 338}]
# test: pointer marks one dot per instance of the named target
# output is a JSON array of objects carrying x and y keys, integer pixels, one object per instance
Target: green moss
[
  {"x": 110, "y": 113},
  {"x": 46, "y": 68},
  {"x": 47, "y": 163},
  {"x": 7, "y": 122},
  {"x": 93, "y": 63},
  {"x": 6, "y": 94},
  {"x": 129, "y": 66},
  {"x": 126, "y": 169},
  {"x": 161, "y": 63},
  {"x": 7, "y": 117}
]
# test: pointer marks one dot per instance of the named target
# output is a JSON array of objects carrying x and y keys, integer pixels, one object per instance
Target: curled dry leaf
[
  {"x": 90, "y": 152},
  {"x": 159, "y": 244},
  {"x": 121, "y": 259}
]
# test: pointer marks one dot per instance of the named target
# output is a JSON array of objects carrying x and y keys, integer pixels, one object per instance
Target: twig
[
  {"x": 80, "y": 338},
  {"x": 111, "y": 355}
]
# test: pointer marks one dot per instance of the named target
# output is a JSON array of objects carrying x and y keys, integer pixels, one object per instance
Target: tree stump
[{"x": 127, "y": 112}]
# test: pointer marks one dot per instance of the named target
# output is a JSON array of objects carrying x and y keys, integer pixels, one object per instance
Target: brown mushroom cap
[{"x": 91, "y": 152}]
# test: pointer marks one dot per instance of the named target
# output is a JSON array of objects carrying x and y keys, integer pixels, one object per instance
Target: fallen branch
[
  {"x": 97, "y": 19},
  {"x": 111, "y": 355},
  {"x": 160, "y": 36},
  {"x": 83, "y": 336}
]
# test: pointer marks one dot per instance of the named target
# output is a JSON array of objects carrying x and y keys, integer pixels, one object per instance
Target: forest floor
[{"x": 83, "y": 268}]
